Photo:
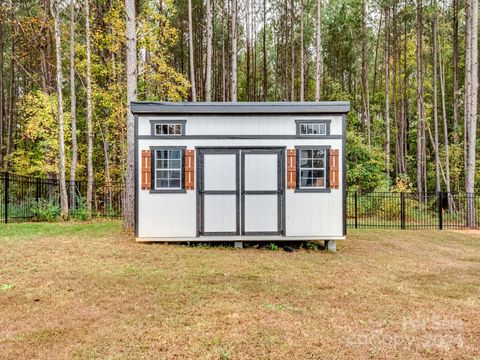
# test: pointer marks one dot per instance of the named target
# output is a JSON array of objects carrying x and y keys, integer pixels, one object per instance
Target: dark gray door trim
[
  {"x": 280, "y": 191},
  {"x": 201, "y": 151},
  {"x": 201, "y": 192}
]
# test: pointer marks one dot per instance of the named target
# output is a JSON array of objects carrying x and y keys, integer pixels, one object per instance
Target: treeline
[{"x": 409, "y": 69}]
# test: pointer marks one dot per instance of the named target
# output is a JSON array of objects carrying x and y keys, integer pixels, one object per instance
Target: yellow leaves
[
  {"x": 156, "y": 37},
  {"x": 38, "y": 127}
]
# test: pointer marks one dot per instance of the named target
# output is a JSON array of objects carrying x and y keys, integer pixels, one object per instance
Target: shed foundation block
[
  {"x": 330, "y": 245},
  {"x": 238, "y": 244}
]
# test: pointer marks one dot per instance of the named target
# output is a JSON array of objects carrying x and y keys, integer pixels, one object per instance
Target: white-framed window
[
  {"x": 313, "y": 129},
  {"x": 168, "y": 129},
  {"x": 168, "y": 173},
  {"x": 312, "y": 168}
]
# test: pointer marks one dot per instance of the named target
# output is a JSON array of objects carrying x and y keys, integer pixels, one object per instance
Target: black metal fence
[
  {"x": 401, "y": 210},
  {"x": 23, "y": 198}
]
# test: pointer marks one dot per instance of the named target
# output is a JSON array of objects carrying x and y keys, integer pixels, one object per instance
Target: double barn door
[{"x": 241, "y": 191}]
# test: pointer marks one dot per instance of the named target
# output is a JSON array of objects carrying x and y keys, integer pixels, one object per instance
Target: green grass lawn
[{"x": 88, "y": 291}]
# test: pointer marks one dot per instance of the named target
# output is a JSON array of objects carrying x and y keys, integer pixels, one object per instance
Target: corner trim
[
  {"x": 135, "y": 167},
  {"x": 344, "y": 172}
]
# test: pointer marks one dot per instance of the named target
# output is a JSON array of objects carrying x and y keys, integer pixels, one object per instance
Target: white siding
[
  {"x": 240, "y": 125},
  {"x": 167, "y": 215}
]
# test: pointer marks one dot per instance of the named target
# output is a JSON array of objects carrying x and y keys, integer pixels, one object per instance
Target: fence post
[
  {"x": 356, "y": 210},
  {"x": 37, "y": 189},
  {"x": 440, "y": 210},
  {"x": 402, "y": 211},
  {"x": 5, "y": 197}
]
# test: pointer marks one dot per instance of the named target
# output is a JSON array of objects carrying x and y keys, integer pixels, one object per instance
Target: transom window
[
  {"x": 168, "y": 129},
  {"x": 313, "y": 129},
  {"x": 168, "y": 169},
  {"x": 313, "y": 168}
]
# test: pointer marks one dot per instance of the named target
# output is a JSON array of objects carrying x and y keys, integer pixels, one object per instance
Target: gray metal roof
[{"x": 328, "y": 107}]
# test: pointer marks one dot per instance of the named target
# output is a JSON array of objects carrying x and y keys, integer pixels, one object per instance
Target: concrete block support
[
  {"x": 238, "y": 244},
  {"x": 331, "y": 245}
]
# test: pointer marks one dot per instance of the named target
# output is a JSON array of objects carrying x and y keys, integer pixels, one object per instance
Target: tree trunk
[
  {"x": 131, "y": 67},
  {"x": 302, "y": 56},
  {"x": 292, "y": 50},
  {"x": 106, "y": 156},
  {"x": 234, "y": 52},
  {"x": 11, "y": 100},
  {"x": 265, "y": 70},
  {"x": 208, "y": 76},
  {"x": 435, "y": 96},
  {"x": 61, "y": 141},
  {"x": 467, "y": 88},
  {"x": 445, "y": 125},
  {"x": 420, "y": 104},
  {"x": 387, "y": 98},
  {"x": 318, "y": 50},
  {"x": 89, "y": 112},
  {"x": 248, "y": 48},
  {"x": 224, "y": 66},
  {"x": 190, "y": 51},
  {"x": 472, "y": 67},
  {"x": 11, "y": 90},
  {"x": 405, "y": 99},
  {"x": 73, "y": 106},
  {"x": 376, "y": 55},
  {"x": 1, "y": 89},
  {"x": 395, "y": 63},
  {"x": 455, "y": 71},
  {"x": 365, "y": 108}
]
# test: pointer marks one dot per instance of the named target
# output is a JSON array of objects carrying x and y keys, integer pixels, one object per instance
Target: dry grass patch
[{"x": 87, "y": 291}]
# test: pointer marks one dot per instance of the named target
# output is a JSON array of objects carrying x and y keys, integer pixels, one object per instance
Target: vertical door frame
[
  {"x": 280, "y": 190},
  {"x": 201, "y": 192}
]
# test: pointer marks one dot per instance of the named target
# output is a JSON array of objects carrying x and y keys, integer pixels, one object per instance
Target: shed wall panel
[
  {"x": 240, "y": 125},
  {"x": 175, "y": 215}
]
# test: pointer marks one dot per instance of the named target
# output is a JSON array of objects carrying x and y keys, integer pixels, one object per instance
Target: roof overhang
[{"x": 322, "y": 107}]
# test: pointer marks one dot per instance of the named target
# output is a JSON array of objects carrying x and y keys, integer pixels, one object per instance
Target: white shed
[{"x": 240, "y": 171}]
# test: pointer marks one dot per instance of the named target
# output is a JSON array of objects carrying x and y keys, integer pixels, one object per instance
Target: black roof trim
[{"x": 330, "y": 107}]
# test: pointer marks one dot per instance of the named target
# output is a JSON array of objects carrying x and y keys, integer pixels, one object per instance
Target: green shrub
[
  {"x": 311, "y": 246},
  {"x": 81, "y": 211},
  {"x": 272, "y": 246},
  {"x": 44, "y": 210},
  {"x": 390, "y": 208}
]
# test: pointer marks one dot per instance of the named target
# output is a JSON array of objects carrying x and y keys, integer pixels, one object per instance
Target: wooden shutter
[
  {"x": 334, "y": 169},
  {"x": 189, "y": 169},
  {"x": 146, "y": 169},
  {"x": 291, "y": 168}
]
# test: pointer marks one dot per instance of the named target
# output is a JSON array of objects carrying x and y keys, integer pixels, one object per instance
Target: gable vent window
[
  {"x": 168, "y": 129},
  {"x": 313, "y": 127}
]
